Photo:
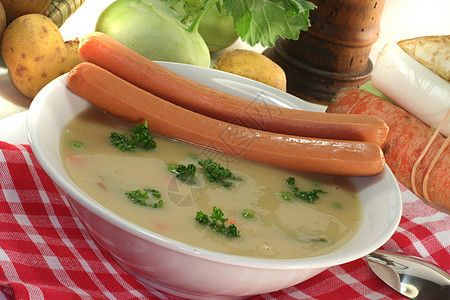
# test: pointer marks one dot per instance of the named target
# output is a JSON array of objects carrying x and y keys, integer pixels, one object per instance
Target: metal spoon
[{"x": 411, "y": 276}]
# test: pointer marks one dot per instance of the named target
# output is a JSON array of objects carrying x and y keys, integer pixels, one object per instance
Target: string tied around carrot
[{"x": 434, "y": 160}]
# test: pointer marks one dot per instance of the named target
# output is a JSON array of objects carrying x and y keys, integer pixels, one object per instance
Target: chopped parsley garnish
[
  {"x": 138, "y": 136},
  {"x": 307, "y": 196},
  {"x": 290, "y": 181},
  {"x": 121, "y": 142},
  {"x": 336, "y": 205},
  {"x": 286, "y": 196},
  {"x": 77, "y": 145},
  {"x": 217, "y": 222},
  {"x": 184, "y": 173},
  {"x": 311, "y": 196},
  {"x": 247, "y": 213},
  {"x": 214, "y": 172},
  {"x": 140, "y": 197}
]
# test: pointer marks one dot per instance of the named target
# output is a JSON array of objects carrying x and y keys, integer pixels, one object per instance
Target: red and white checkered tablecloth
[{"x": 46, "y": 253}]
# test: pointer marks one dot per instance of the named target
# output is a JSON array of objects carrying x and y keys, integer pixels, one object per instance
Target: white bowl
[{"x": 182, "y": 269}]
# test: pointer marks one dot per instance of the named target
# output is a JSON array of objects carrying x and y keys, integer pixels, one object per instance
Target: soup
[{"x": 272, "y": 222}]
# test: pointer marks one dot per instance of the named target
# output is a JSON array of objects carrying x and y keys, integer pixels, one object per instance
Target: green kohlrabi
[
  {"x": 153, "y": 29},
  {"x": 169, "y": 29},
  {"x": 217, "y": 29}
]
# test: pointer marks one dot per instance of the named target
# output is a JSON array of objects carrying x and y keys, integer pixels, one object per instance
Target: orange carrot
[
  {"x": 75, "y": 159},
  {"x": 128, "y": 102},
  {"x": 405, "y": 143},
  {"x": 230, "y": 222},
  {"x": 106, "y": 52}
]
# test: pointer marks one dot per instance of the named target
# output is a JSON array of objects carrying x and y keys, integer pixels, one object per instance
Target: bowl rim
[{"x": 38, "y": 106}]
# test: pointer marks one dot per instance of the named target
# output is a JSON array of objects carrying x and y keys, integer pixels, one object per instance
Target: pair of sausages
[{"x": 133, "y": 88}]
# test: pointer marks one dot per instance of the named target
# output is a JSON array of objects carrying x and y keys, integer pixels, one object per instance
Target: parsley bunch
[
  {"x": 138, "y": 136},
  {"x": 217, "y": 222},
  {"x": 214, "y": 172},
  {"x": 184, "y": 173}
]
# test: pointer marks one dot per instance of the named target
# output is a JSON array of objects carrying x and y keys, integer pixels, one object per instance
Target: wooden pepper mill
[{"x": 334, "y": 52}]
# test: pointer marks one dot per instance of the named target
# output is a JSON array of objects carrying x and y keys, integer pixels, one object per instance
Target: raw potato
[
  {"x": 2, "y": 20},
  {"x": 35, "y": 53},
  {"x": 16, "y": 8},
  {"x": 431, "y": 51},
  {"x": 253, "y": 65}
]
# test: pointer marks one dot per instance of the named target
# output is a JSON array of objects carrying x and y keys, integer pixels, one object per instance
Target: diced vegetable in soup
[{"x": 205, "y": 198}]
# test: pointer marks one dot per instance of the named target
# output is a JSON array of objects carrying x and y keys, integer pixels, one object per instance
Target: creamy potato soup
[{"x": 272, "y": 221}]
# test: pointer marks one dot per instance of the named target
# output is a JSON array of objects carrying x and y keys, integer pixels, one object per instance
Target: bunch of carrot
[
  {"x": 417, "y": 154},
  {"x": 133, "y": 88}
]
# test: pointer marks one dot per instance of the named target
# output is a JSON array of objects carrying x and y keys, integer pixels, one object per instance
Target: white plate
[{"x": 234, "y": 275}]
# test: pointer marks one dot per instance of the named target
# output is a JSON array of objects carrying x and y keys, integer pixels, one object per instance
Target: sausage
[
  {"x": 148, "y": 75},
  {"x": 130, "y": 103}
]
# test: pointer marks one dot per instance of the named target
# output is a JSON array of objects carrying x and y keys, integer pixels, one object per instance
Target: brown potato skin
[
  {"x": 35, "y": 53},
  {"x": 253, "y": 65},
  {"x": 17, "y": 8},
  {"x": 2, "y": 20}
]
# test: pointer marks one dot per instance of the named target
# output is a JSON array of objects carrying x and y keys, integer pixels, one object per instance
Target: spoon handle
[{"x": 413, "y": 277}]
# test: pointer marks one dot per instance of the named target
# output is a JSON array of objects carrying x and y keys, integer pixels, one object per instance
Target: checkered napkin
[{"x": 46, "y": 252}]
